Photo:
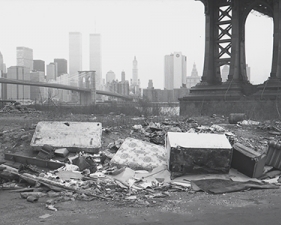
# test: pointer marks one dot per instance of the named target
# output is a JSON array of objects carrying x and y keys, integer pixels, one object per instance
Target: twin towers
[{"x": 75, "y": 55}]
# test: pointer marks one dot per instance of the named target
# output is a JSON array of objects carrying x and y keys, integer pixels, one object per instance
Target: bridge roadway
[{"x": 64, "y": 87}]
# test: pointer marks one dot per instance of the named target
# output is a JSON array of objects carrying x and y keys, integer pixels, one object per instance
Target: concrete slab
[{"x": 84, "y": 135}]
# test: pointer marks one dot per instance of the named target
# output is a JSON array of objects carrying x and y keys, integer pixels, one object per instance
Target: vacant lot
[{"x": 248, "y": 207}]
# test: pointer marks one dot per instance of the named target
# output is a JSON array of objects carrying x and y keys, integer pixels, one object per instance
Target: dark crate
[{"x": 198, "y": 153}]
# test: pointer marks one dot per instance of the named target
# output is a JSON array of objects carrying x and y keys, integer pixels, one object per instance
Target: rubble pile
[
  {"x": 16, "y": 139},
  {"x": 16, "y": 108},
  {"x": 155, "y": 160},
  {"x": 79, "y": 181}
]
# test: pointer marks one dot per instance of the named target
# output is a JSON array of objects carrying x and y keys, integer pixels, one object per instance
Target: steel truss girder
[
  {"x": 225, "y": 37},
  {"x": 224, "y": 27}
]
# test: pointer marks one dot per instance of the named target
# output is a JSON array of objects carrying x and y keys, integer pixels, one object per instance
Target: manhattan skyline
[{"x": 146, "y": 29}]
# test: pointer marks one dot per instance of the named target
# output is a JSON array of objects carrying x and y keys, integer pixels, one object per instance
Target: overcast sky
[{"x": 147, "y": 29}]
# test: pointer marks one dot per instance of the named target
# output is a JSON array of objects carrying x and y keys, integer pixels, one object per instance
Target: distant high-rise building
[
  {"x": 1, "y": 75},
  {"x": 25, "y": 57},
  {"x": 248, "y": 71},
  {"x": 52, "y": 71},
  {"x": 150, "y": 84},
  {"x": 194, "y": 78},
  {"x": 63, "y": 95},
  {"x": 39, "y": 65},
  {"x": 61, "y": 66},
  {"x": 4, "y": 68},
  {"x": 95, "y": 57},
  {"x": 224, "y": 73},
  {"x": 75, "y": 55},
  {"x": 37, "y": 93},
  {"x": 175, "y": 71},
  {"x": 3, "y": 91},
  {"x": 123, "y": 88},
  {"x": 110, "y": 76},
  {"x": 123, "y": 77},
  {"x": 16, "y": 91},
  {"x": 1, "y": 63},
  {"x": 135, "y": 72}
]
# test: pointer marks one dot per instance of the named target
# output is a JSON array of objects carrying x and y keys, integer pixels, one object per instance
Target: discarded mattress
[
  {"x": 139, "y": 155},
  {"x": 85, "y": 135},
  {"x": 192, "y": 153}
]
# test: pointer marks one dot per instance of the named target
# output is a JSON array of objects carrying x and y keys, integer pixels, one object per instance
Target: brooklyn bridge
[{"x": 86, "y": 89}]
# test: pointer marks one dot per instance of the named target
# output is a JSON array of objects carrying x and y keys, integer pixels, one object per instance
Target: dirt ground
[
  {"x": 252, "y": 207},
  {"x": 248, "y": 207}
]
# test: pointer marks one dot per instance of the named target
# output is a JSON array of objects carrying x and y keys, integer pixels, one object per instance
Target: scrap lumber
[
  {"x": 52, "y": 184},
  {"x": 33, "y": 161}
]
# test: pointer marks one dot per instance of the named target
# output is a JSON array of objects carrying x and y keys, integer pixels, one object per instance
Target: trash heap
[{"x": 167, "y": 157}]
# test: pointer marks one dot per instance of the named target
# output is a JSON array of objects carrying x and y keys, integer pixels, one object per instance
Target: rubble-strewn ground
[{"x": 249, "y": 207}]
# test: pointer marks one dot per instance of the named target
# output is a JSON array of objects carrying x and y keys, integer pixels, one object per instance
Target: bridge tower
[
  {"x": 225, "y": 45},
  {"x": 87, "y": 79}
]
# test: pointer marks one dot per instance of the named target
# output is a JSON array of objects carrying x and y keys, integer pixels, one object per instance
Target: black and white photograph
[{"x": 146, "y": 112}]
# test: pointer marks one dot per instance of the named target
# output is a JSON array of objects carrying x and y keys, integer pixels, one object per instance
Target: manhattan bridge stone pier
[{"x": 225, "y": 45}]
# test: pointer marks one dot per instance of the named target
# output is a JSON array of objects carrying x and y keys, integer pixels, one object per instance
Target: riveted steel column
[
  {"x": 237, "y": 70},
  {"x": 211, "y": 50},
  {"x": 276, "y": 57}
]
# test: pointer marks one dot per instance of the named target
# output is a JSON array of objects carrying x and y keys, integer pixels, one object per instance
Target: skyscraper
[
  {"x": 52, "y": 71},
  {"x": 1, "y": 75},
  {"x": 224, "y": 73},
  {"x": 150, "y": 84},
  {"x": 95, "y": 57},
  {"x": 135, "y": 72},
  {"x": 123, "y": 76},
  {"x": 1, "y": 63},
  {"x": 194, "y": 78},
  {"x": 17, "y": 91},
  {"x": 61, "y": 66},
  {"x": 110, "y": 76},
  {"x": 4, "y": 68},
  {"x": 25, "y": 57},
  {"x": 175, "y": 71},
  {"x": 75, "y": 55},
  {"x": 37, "y": 93},
  {"x": 39, "y": 65}
]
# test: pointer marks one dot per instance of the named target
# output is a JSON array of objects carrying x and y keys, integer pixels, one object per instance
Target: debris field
[{"x": 136, "y": 161}]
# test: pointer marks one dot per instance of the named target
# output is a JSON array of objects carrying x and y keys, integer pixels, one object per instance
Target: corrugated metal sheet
[
  {"x": 273, "y": 157},
  {"x": 85, "y": 135}
]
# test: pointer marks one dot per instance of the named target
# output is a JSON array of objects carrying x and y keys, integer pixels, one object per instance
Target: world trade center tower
[
  {"x": 95, "y": 58},
  {"x": 75, "y": 55}
]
